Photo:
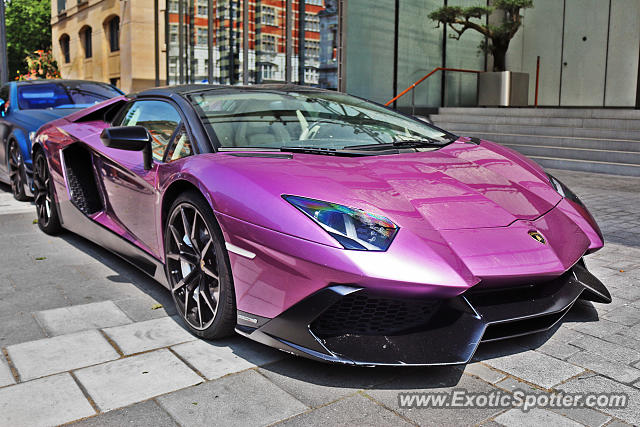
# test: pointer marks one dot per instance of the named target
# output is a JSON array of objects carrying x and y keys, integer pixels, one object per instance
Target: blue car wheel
[{"x": 17, "y": 173}]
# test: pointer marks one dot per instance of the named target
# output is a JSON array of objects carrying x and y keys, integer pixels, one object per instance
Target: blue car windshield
[{"x": 63, "y": 95}]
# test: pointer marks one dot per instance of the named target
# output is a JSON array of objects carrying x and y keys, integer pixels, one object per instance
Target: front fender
[{"x": 22, "y": 138}]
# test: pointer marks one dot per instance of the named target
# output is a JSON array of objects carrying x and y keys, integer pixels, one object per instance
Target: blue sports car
[{"x": 27, "y": 105}]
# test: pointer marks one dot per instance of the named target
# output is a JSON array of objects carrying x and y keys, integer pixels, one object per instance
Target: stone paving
[{"x": 86, "y": 338}]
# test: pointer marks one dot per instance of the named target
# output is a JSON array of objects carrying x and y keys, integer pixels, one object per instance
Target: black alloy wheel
[
  {"x": 48, "y": 219},
  {"x": 198, "y": 268},
  {"x": 17, "y": 173}
]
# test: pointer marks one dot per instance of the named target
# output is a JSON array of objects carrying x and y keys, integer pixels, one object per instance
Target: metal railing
[{"x": 413, "y": 86}]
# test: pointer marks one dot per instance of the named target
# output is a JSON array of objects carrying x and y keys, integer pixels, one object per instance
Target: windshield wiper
[
  {"x": 323, "y": 151},
  {"x": 416, "y": 142},
  {"x": 410, "y": 143}
]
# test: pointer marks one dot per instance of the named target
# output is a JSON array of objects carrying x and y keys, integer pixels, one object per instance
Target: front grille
[
  {"x": 479, "y": 296},
  {"x": 362, "y": 314}
]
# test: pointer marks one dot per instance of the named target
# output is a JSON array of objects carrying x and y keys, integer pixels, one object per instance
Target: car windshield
[
  {"x": 311, "y": 119},
  {"x": 63, "y": 95}
]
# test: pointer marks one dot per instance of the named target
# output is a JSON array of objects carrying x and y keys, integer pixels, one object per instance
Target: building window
[
  {"x": 85, "y": 36},
  {"x": 312, "y": 22},
  {"x": 268, "y": 16},
  {"x": 312, "y": 48},
  {"x": 202, "y": 8},
  {"x": 64, "y": 47},
  {"x": 268, "y": 43},
  {"x": 311, "y": 75},
  {"x": 173, "y": 33},
  {"x": 114, "y": 34},
  {"x": 173, "y": 6},
  {"x": 202, "y": 36},
  {"x": 315, "y": 2},
  {"x": 62, "y": 6},
  {"x": 269, "y": 71}
]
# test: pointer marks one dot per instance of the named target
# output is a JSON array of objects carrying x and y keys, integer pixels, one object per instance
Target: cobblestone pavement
[{"x": 86, "y": 338}]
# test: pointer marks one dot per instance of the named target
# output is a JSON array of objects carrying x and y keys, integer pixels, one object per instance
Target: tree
[
  {"x": 497, "y": 37},
  {"x": 28, "y": 30},
  {"x": 40, "y": 65}
]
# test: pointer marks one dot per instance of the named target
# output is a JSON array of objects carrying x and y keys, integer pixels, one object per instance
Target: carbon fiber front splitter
[{"x": 448, "y": 332}]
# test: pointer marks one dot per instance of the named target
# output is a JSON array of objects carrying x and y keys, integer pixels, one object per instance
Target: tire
[
  {"x": 17, "y": 174},
  {"x": 48, "y": 218},
  {"x": 198, "y": 269}
]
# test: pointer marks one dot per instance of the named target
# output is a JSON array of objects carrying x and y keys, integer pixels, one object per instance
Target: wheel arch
[
  {"x": 178, "y": 187},
  {"x": 19, "y": 136}
]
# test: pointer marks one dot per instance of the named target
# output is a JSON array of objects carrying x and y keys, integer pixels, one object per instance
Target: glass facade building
[
  {"x": 376, "y": 49},
  {"x": 249, "y": 42},
  {"x": 366, "y": 48}
]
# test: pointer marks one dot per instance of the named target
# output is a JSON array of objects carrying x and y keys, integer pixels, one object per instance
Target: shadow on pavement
[{"x": 125, "y": 272}]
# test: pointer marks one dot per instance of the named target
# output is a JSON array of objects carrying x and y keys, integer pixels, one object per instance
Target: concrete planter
[{"x": 503, "y": 89}]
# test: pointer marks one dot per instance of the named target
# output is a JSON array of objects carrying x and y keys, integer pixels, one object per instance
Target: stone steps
[
  {"x": 572, "y": 122},
  {"x": 590, "y": 140},
  {"x": 557, "y": 131}
]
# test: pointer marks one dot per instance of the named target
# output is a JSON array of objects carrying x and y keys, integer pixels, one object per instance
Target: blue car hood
[{"x": 31, "y": 120}]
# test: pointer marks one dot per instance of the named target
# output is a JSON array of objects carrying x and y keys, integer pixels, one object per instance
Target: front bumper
[{"x": 353, "y": 325}]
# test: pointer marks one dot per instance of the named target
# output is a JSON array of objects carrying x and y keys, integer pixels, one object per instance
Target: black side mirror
[{"x": 130, "y": 138}]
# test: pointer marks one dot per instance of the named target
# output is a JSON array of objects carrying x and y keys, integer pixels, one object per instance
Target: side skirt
[{"x": 75, "y": 221}]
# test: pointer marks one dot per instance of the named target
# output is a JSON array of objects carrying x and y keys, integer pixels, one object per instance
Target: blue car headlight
[
  {"x": 352, "y": 228},
  {"x": 563, "y": 190}
]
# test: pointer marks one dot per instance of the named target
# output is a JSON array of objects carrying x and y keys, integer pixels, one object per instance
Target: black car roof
[{"x": 194, "y": 88}]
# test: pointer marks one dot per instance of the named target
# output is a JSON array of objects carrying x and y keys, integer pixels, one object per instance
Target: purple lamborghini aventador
[{"x": 319, "y": 223}]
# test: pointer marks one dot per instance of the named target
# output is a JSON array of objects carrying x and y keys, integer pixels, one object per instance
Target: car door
[
  {"x": 131, "y": 191},
  {"x": 5, "y": 129}
]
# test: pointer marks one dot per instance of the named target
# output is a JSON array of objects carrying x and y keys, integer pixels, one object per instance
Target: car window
[
  {"x": 158, "y": 117},
  {"x": 181, "y": 146},
  {"x": 63, "y": 95}
]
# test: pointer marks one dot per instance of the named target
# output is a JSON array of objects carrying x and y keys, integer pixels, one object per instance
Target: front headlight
[
  {"x": 353, "y": 228},
  {"x": 563, "y": 190}
]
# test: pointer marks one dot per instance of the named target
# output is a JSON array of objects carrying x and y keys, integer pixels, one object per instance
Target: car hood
[
  {"x": 459, "y": 186},
  {"x": 33, "y": 119}
]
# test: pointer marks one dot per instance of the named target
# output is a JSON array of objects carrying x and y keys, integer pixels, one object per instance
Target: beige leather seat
[{"x": 259, "y": 127}]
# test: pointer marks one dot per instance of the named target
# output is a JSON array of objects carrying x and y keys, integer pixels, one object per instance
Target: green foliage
[
  {"x": 449, "y": 14},
  {"x": 446, "y": 14},
  {"x": 512, "y": 6},
  {"x": 28, "y": 30},
  {"x": 40, "y": 65},
  {"x": 461, "y": 19},
  {"x": 476, "y": 11}
]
